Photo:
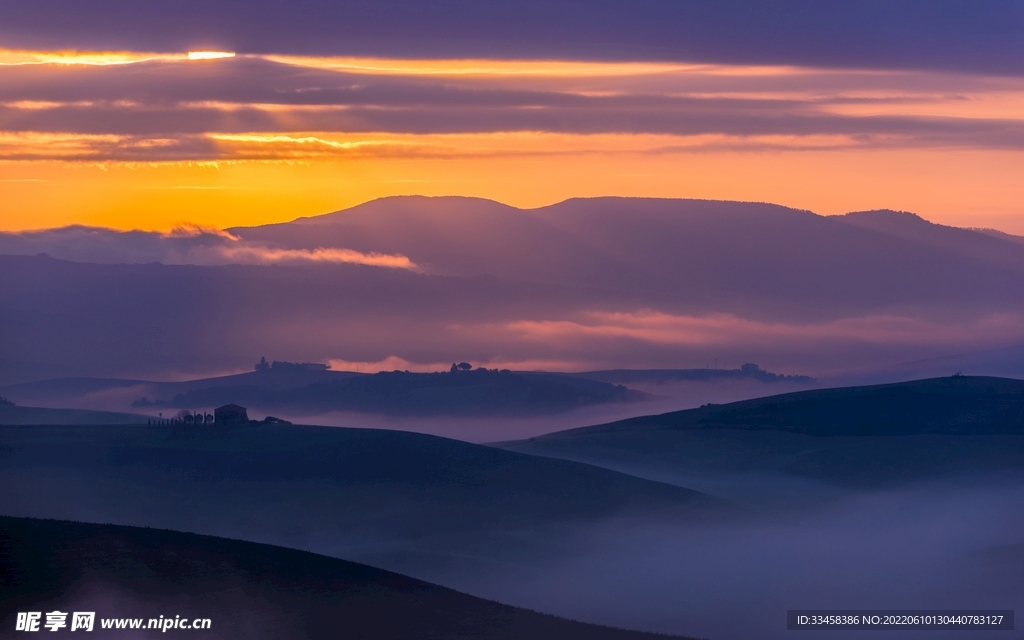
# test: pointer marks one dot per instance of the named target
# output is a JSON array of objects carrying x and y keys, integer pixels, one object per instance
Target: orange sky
[{"x": 81, "y": 144}]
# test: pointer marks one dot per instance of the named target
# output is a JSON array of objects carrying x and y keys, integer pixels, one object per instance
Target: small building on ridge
[{"x": 230, "y": 414}]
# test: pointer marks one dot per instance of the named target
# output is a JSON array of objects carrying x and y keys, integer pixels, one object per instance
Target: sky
[{"x": 106, "y": 119}]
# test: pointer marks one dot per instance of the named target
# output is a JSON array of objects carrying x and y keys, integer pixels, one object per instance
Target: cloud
[
  {"x": 185, "y": 244},
  {"x": 251, "y": 107},
  {"x": 16, "y": 58},
  {"x": 723, "y": 329},
  {"x": 246, "y": 254},
  {"x": 931, "y": 34},
  {"x": 101, "y": 318},
  {"x": 396, "y": 363}
]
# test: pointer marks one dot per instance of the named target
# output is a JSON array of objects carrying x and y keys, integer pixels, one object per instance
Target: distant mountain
[
  {"x": 695, "y": 254},
  {"x": 600, "y": 283},
  {"x": 701, "y": 251},
  {"x": 245, "y": 589},
  {"x": 1001, "y": 235},
  {"x": 998, "y": 248}
]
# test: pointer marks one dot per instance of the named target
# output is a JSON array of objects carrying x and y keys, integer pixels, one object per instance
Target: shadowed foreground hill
[
  {"x": 404, "y": 501},
  {"x": 874, "y": 435},
  {"x": 248, "y": 590}
]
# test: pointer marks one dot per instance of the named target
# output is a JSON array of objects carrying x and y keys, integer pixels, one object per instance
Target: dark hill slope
[
  {"x": 881, "y": 435},
  {"x": 480, "y": 392},
  {"x": 248, "y": 590},
  {"x": 964, "y": 405},
  {"x": 468, "y": 393},
  {"x": 17, "y": 414},
  {"x": 392, "y": 498},
  {"x": 629, "y": 376},
  {"x": 80, "y": 390}
]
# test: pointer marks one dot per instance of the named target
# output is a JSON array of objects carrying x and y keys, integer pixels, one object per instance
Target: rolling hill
[
  {"x": 880, "y": 435},
  {"x": 247, "y": 590},
  {"x": 17, "y": 415},
  {"x": 957, "y": 405},
  {"x": 477, "y": 392},
  {"x": 401, "y": 500}
]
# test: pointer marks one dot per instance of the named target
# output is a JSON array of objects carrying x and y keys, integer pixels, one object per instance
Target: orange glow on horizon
[
  {"x": 524, "y": 67},
  {"x": 976, "y": 188},
  {"x": 272, "y": 160},
  {"x": 19, "y": 57},
  {"x": 16, "y": 57}
]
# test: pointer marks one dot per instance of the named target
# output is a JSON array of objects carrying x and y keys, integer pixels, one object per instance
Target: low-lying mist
[
  {"x": 518, "y": 529},
  {"x": 659, "y": 398},
  {"x": 949, "y": 546}
]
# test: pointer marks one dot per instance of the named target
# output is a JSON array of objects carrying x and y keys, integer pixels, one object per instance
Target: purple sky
[{"x": 978, "y": 36}]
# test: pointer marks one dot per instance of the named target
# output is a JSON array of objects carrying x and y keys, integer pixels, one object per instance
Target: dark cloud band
[
  {"x": 980, "y": 36},
  {"x": 177, "y": 110}
]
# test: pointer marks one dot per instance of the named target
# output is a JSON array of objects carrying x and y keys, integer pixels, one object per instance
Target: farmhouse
[{"x": 230, "y": 414}]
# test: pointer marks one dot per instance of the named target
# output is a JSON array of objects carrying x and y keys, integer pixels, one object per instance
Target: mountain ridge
[{"x": 682, "y": 281}]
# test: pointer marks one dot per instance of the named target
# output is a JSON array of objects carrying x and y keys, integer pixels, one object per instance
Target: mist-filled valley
[
  {"x": 671, "y": 523},
  {"x": 944, "y": 546},
  {"x": 478, "y": 405}
]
